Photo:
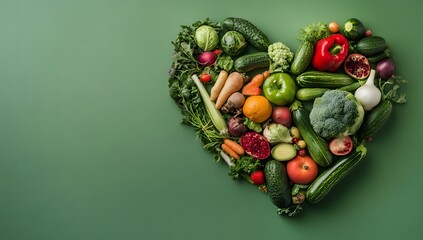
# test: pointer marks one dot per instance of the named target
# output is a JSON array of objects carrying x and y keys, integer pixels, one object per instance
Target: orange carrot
[
  {"x": 233, "y": 83},
  {"x": 253, "y": 88},
  {"x": 234, "y": 145},
  {"x": 229, "y": 151}
]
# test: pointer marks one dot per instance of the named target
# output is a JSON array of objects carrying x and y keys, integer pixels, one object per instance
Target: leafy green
[
  {"x": 244, "y": 165},
  {"x": 183, "y": 90},
  {"x": 314, "y": 32},
  {"x": 389, "y": 89},
  {"x": 224, "y": 62},
  {"x": 256, "y": 127}
]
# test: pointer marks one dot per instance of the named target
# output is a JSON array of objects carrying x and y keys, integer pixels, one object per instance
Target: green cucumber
[
  {"x": 317, "y": 147},
  {"x": 251, "y": 33},
  {"x": 309, "y": 94},
  {"x": 371, "y": 45},
  {"x": 323, "y": 79},
  {"x": 302, "y": 58},
  {"x": 252, "y": 61},
  {"x": 353, "y": 29},
  {"x": 277, "y": 184},
  {"x": 375, "y": 119},
  {"x": 328, "y": 179}
]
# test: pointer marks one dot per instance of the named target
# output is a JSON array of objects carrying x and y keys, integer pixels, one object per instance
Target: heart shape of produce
[{"x": 250, "y": 108}]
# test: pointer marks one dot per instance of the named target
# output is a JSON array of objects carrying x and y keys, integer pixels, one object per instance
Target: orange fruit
[{"x": 257, "y": 108}]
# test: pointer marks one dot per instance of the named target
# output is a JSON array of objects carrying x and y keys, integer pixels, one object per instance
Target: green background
[{"x": 91, "y": 145}]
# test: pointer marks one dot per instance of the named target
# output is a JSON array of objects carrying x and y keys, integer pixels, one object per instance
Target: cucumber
[
  {"x": 302, "y": 58},
  {"x": 328, "y": 179},
  {"x": 371, "y": 45},
  {"x": 375, "y": 120},
  {"x": 323, "y": 79},
  {"x": 251, "y": 33},
  {"x": 277, "y": 184},
  {"x": 252, "y": 61},
  {"x": 317, "y": 147},
  {"x": 353, "y": 29},
  {"x": 309, "y": 94}
]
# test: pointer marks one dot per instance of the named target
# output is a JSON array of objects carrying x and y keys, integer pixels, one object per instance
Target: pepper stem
[{"x": 336, "y": 49}]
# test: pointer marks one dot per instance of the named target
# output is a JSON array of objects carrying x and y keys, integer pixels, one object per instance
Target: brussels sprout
[
  {"x": 206, "y": 38},
  {"x": 233, "y": 43}
]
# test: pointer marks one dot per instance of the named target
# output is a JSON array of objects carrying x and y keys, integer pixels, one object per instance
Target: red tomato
[
  {"x": 205, "y": 77},
  {"x": 302, "y": 169},
  {"x": 217, "y": 51},
  {"x": 341, "y": 146}
]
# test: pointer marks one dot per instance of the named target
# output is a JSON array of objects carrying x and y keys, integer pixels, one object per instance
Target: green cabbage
[
  {"x": 206, "y": 38},
  {"x": 233, "y": 43}
]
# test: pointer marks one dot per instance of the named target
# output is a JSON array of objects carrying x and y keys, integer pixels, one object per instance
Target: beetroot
[
  {"x": 255, "y": 145},
  {"x": 357, "y": 66},
  {"x": 236, "y": 126}
]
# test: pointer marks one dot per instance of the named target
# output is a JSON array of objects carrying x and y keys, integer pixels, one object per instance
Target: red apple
[
  {"x": 302, "y": 169},
  {"x": 282, "y": 115}
]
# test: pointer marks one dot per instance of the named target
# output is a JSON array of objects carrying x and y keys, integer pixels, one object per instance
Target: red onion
[
  {"x": 385, "y": 68},
  {"x": 207, "y": 58}
]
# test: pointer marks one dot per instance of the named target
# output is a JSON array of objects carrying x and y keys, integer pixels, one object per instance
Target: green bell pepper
[{"x": 279, "y": 89}]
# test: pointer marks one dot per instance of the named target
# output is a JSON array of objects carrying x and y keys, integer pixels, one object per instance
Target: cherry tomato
[
  {"x": 205, "y": 77},
  {"x": 341, "y": 146},
  {"x": 217, "y": 52},
  {"x": 368, "y": 33}
]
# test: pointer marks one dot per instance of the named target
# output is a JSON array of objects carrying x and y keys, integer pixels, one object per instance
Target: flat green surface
[{"x": 91, "y": 145}]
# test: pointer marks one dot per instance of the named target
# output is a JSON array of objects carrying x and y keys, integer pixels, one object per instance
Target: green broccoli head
[{"x": 336, "y": 113}]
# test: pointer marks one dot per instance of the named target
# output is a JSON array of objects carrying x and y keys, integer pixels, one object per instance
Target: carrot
[
  {"x": 229, "y": 151},
  {"x": 253, "y": 88},
  {"x": 234, "y": 146},
  {"x": 233, "y": 84},
  {"x": 217, "y": 87}
]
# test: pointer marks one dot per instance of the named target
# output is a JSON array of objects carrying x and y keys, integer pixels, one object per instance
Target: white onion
[{"x": 369, "y": 95}]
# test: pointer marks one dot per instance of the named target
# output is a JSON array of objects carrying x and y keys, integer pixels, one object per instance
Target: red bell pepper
[{"x": 330, "y": 53}]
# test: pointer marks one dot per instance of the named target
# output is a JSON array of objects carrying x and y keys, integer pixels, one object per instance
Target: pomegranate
[
  {"x": 255, "y": 145},
  {"x": 357, "y": 66},
  {"x": 341, "y": 146}
]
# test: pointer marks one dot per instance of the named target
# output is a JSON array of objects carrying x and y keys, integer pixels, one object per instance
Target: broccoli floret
[
  {"x": 336, "y": 113},
  {"x": 280, "y": 55}
]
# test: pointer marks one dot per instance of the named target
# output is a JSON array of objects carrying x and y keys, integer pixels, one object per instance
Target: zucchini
[
  {"x": 323, "y": 79},
  {"x": 379, "y": 57},
  {"x": 250, "y": 32},
  {"x": 277, "y": 184},
  {"x": 322, "y": 185},
  {"x": 309, "y": 94},
  {"x": 371, "y": 45},
  {"x": 317, "y": 147},
  {"x": 353, "y": 29},
  {"x": 375, "y": 119},
  {"x": 302, "y": 58},
  {"x": 252, "y": 61}
]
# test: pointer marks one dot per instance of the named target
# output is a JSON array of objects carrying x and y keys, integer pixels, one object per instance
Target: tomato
[
  {"x": 302, "y": 169},
  {"x": 217, "y": 52},
  {"x": 205, "y": 77},
  {"x": 279, "y": 89},
  {"x": 341, "y": 146}
]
